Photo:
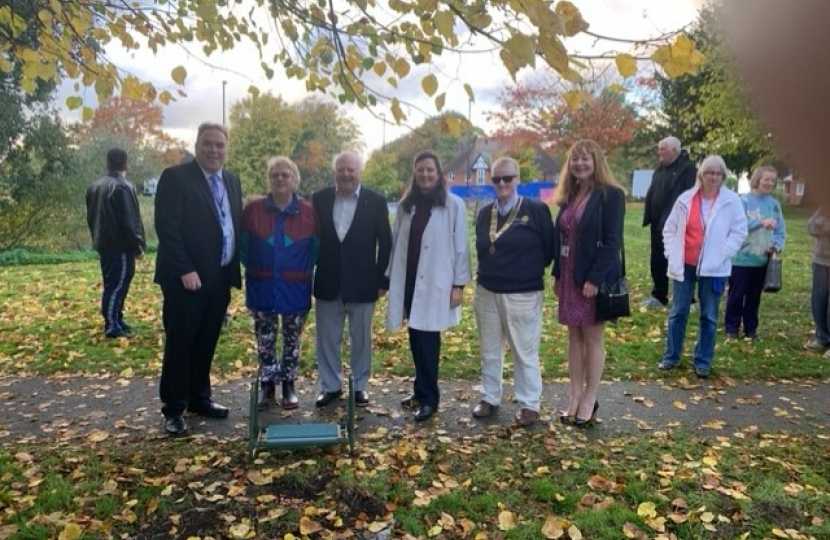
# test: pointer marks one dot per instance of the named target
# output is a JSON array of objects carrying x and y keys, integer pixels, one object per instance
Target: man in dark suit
[
  {"x": 355, "y": 242},
  {"x": 197, "y": 216}
]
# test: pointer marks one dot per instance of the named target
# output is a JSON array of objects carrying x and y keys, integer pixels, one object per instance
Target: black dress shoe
[
  {"x": 361, "y": 398},
  {"x": 209, "y": 409},
  {"x": 126, "y": 327},
  {"x": 424, "y": 412},
  {"x": 289, "y": 396},
  {"x": 117, "y": 333},
  {"x": 327, "y": 397},
  {"x": 175, "y": 425},
  {"x": 409, "y": 402}
]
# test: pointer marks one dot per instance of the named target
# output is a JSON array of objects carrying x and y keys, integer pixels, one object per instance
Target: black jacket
[
  {"x": 188, "y": 226},
  {"x": 599, "y": 238},
  {"x": 667, "y": 183},
  {"x": 113, "y": 216},
  {"x": 355, "y": 268}
]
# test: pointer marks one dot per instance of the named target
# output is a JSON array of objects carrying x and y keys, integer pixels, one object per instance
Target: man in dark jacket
[
  {"x": 675, "y": 174},
  {"x": 198, "y": 219},
  {"x": 355, "y": 242},
  {"x": 114, "y": 220}
]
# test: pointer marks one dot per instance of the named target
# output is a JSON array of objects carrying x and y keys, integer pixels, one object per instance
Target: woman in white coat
[
  {"x": 705, "y": 229},
  {"x": 428, "y": 269}
]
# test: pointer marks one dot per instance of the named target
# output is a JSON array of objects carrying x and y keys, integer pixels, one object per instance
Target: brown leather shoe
[
  {"x": 526, "y": 417},
  {"x": 484, "y": 409}
]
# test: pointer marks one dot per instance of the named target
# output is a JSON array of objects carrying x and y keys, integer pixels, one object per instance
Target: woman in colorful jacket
[
  {"x": 705, "y": 229},
  {"x": 278, "y": 248},
  {"x": 766, "y": 232}
]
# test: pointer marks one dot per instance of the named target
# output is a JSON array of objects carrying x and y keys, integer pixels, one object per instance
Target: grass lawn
[
  {"x": 49, "y": 323},
  {"x": 508, "y": 484}
]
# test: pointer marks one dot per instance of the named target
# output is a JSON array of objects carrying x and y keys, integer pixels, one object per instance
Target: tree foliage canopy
[
  {"x": 709, "y": 111},
  {"x": 309, "y": 132},
  {"x": 359, "y": 51},
  {"x": 537, "y": 114}
]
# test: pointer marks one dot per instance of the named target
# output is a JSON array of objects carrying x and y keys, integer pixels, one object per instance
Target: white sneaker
[
  {"x": 814, "y": 346},
  {"x": 652, "y": 302}
]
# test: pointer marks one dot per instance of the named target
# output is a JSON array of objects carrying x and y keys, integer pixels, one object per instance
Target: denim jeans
[{"x": 709, "y": 299}]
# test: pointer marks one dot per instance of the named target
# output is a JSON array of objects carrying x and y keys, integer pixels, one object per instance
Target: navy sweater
[{"x": 521, "y": 253}]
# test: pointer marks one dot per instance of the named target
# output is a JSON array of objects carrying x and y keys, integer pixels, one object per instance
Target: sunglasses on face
[{"x": 503, "y": 179}]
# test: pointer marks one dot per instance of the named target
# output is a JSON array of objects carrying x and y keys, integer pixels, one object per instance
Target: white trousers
[{"x": 517, "y": 318}]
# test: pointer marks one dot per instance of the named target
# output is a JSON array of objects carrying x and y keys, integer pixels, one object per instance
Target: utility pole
[
  {"x": 470, "y": 144},
  {"x": 224, "y": 84}
]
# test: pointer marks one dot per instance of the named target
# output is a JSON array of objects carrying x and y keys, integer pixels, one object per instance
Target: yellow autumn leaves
[{"x": 333, "y": 51}]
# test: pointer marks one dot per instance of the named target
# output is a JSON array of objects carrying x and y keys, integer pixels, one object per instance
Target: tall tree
[
  {"x": 35, "y": 159},
  {"x": 310, "y": 132},
  {"x": 537, "y": 114},
  {"x": 709, "y": 111},
  {"x": 325, "y": 132},
  {"x": 442, "y": 134},
  {"x": 136, "y": 126},
  {"x": 380, "y": 174},
  {"x": 354, "y": 50},
  {"x": 39, "y": 197}
]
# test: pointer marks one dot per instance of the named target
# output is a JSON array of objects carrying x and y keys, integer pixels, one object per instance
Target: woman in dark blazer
[{"x": 589, "y": 229}]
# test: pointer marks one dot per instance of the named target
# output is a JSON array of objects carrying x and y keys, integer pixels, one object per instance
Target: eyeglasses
[{"x": 503, "y": 179}]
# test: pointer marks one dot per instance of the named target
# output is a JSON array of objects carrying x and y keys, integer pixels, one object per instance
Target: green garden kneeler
[{"x": 299, "y": 435}]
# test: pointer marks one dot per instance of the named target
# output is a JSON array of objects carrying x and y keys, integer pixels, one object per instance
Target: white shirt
[{"x": 343, "y": 212}]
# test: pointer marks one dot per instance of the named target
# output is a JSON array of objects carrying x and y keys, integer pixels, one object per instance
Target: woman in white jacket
[
  {"x": 705, "y": 229},
  {"x": 428, "y": 269}
]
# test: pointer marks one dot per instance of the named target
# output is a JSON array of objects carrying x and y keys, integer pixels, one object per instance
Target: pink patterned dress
[{"x": 574, "y": 309}]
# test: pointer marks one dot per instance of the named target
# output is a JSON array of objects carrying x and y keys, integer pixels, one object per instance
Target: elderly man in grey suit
[{"x": 355, "y": 241}]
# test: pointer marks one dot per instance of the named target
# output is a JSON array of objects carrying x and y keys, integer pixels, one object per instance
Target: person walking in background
[
  {"x": 278, "y": 247},
  {"x": 766, "y": 233},
  {"x": 818, "y": 226},
  {"x": 355, "y": 241},
  {"x": 198, "y": 216},
  {"x": 428, "y": 269},
  {"x": 705, "y": 229},
  {"x": 114, "y": 219},
  {"x": 514, "y": 245},
  {"x": 674, "y": 175},
  {"x": 589, "y": 233}
]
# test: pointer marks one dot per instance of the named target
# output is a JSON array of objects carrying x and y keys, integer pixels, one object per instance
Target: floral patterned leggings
[{"x": 266, "y": 326}]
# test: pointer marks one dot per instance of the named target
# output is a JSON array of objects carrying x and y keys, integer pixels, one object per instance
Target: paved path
[{"x": 72, "y": 407}]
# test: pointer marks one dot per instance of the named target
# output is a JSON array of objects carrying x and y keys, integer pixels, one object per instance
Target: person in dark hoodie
[{"x": 675, "y": 174}]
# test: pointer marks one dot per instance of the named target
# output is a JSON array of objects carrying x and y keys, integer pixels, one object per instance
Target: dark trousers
[
  {"x": 820, "y": 302},
  {"x": 192, "y": 322},
  {"x": 659, "y": 266},
  {"x": 746, "y": 284},
  {"x": 117, "y": 272},
  {"x": 426, "y": 350}
]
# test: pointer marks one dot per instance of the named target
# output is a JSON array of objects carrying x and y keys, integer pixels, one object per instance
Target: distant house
[{"x": 472, "y": 164}]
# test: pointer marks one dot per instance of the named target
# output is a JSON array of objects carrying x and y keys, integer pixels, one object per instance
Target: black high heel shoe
[
  {"x": 584, "y": 424},
  {"x": 566, "y": 419}
]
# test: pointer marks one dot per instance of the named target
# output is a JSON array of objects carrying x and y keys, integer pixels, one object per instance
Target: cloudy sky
[{"x": 240, "y": 69}]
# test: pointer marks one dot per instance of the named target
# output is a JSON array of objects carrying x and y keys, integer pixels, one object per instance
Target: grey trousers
[{"x": 330, "y": 319}]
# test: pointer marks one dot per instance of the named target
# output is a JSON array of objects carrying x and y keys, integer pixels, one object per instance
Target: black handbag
[
  {"x": 612, "y": 301},
  {"x": 773, "y": 277}
]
